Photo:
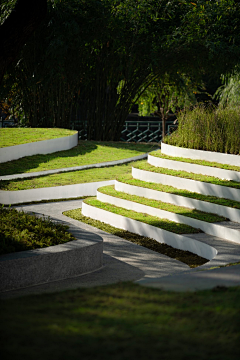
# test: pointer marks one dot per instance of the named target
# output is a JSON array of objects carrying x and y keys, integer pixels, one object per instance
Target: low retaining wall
[
  {"x": 228, "y": 212},
  {"x": 214, "y": 229},
  {"x": 50, "y": 193},
  {"x": 187, "y": 184},
  {"x": 177, "y": 241},
  {"x": 200, "y": 154},
  {"x": 34, "y": 267},
  {"x": 39, "y": 147},
  {"x": 194, "y": 168}
]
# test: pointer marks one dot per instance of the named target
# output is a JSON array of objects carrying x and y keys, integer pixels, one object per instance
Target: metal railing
[{"x": 136, "y": 131}]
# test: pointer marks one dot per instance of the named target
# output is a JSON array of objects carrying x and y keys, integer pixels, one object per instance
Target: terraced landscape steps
[{"x": 137, "y": 198}]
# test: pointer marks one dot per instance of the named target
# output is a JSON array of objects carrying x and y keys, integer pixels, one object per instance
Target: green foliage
[
  {"x": 5, "y": 9},
  {"x": 208, "y": 129},
  {"x": 229, "y": 93},
  {"x": 20, "y": 231}
]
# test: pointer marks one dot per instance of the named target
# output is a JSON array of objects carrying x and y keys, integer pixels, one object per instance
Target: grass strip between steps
[
  {"x": 165, "y": 224},
  {"x": 85, "y": 153},
  {"x": 69, "y": 178},
  {"x": 143, "y": 165},
  {"x": 128, "y": 179},
  {"x": 192, "y": 260},
  {"x": 180, "y": 210},
  {"x": 159, "y": 154}
]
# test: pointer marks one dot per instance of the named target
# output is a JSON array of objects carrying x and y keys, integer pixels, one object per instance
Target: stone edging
[
  {"x": 187, "y": 184},
  {"x": 200, "y": 154},
  {"x": 51, "y": 193},
  {"x": 34, "y": 267},
  {"x": 175, "y": 240},
  {"x": 39, "y": 147},
  {"x": 228, "y": 212},
  {"x": 214, "y": 229},
  {"x": 194, "y": 168}
]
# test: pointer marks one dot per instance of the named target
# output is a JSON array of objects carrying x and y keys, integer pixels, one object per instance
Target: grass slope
[
  {"x": 165, "y": 224},
  {"x": 69, "y": 178},
  {"x": 128, "y": 179},
  {"x": 192, "y": 213},
  {"x": 143, "y": 165},
  {"x": 192, "y": 260},
  {"x": 86, "y": 153},
  {"x": 119, "y": 321},
  {"x": 158, "y": 154},
  {"x": 18, "y": 136}
]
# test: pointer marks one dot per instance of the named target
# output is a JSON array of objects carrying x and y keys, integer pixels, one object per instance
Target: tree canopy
[{"x": 93, "y": 57}]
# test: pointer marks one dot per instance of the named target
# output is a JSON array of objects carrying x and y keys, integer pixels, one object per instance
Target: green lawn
[
  {"x": 87, "y": 152},
  {"x": 121, "y": 322},
  {"x": 198, "y": 162},
  {"x": 18, "y": 136},
  {"x": 69, "y": 178}
]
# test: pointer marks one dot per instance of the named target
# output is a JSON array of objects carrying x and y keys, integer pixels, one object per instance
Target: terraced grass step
[
  {"x": 159, "y": 154},
  {"x": 183, "y": 180},
  {"x": 165, "y": 224},
  {"x": 158, "y": 204},
  {"x": 143, "y": 165},
  {"x": 209, "y": 223},
  {"x": 164, "y": 231},
  {"x": 223, "y": 207},
  {"x": 164, "y": 161}
]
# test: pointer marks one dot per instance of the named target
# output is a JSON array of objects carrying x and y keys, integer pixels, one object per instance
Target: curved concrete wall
[
  {"x": 57, "y": 192},
  {"x": 177, "y": 241},
  {"x": 39, "y": 147},
  {"x": 187, "y": 184},
  {"x": 209, "y": 228},
  {"x": 200, "y": 154},
  {"x": 34, "y": 267},
  {"x": 228, "y": 212},
  {"x": 194, "y": 168}
]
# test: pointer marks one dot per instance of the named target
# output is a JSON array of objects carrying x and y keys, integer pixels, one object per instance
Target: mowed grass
[
  {"x": 128, "y": 179},
  {"x": 121, "y": 322},
  {"x": 86, "y": 153},
  {"x": 144, "y": 165},
  {"x": 159, "y": 154},
  {"x": 191, "y": 259},
  {"x": 69, "y": 178},
  {"x": 180, "y": 210},
  {"x": 168, "y": 225},
  {"x": 18, "y": 136}
]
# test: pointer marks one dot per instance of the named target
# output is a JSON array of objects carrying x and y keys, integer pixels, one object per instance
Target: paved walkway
[{"x": 125, "y": 261}]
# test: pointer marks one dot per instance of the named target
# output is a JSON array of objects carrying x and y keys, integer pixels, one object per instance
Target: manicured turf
[
  {"x": 121, "y": 322},
  {"x": 192, "y": 213},
  {"x": 143, "y": 165},
  {"x": 18, "y": 136},
  {"x": 165, "y": 224},
  {"x": 69, "y": 178},
  {"x": 159, "y": 154},
  {"x": 192, "y": 260},
  {"x": 86, "y": 153},
  {"x": 128, "y": 179}
]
